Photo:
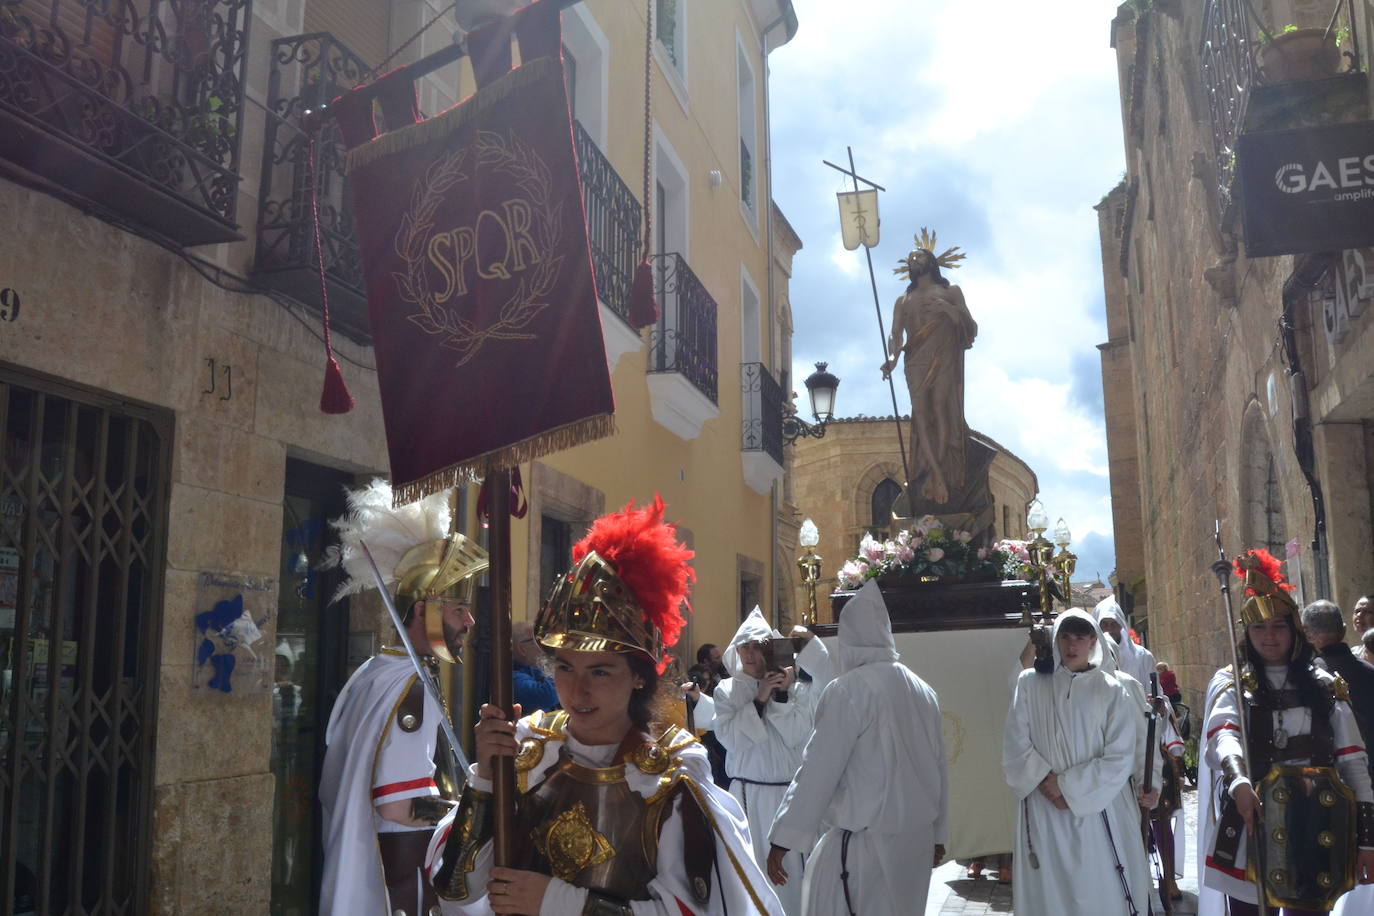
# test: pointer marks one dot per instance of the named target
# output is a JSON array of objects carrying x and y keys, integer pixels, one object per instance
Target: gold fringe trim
[
  {"x": 441, "y": 125},
  {"x": 474, "y": 469}
]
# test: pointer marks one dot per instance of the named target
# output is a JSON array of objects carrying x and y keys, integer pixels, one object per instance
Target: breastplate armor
[{"x": 589, "y": 828}]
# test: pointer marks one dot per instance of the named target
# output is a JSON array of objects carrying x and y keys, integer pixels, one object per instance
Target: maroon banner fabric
[{"x": 480, "y": 286}]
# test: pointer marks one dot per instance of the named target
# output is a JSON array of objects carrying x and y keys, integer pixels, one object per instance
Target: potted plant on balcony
[{"x": 1297, "y": 55}]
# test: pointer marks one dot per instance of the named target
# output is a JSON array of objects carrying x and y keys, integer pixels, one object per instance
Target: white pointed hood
[
  {"x": 754, "y": 629},
  {"x": 1108, "y": 607},
  {"x": 865, "y": 631}
]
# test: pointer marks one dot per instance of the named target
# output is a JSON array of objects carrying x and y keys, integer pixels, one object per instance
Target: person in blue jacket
[{"x": 533, "y": 688}]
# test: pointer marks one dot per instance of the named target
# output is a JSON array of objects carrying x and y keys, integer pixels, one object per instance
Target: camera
[{"x": 777, "y": 655}]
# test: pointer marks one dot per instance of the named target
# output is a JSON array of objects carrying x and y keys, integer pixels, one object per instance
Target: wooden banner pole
[{"x": 498, "y": 489}]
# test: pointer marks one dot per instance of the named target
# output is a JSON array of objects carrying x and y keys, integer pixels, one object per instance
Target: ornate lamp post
[
  {"x": 1041, "y": 553},
  {"x": 810, "y": 567},
  {"x": 821, "y": 386},
  {"x": 1064, "y": 562}
]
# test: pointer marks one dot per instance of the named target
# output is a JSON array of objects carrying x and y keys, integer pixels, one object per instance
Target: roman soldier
[
  {"x": 620, "y": 812},
  {"x": 1305, "y": 772},
  {"x": 378, "y": 788}
]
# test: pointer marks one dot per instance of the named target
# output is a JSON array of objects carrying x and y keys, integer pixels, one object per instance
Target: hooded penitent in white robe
[
  {"x": 1132, "y": 658},
  {"x": 740, "y": 889},
  {"x": 370, "y": 761},
  {"x": 763, "y": 750},
  {"x": 1223, "y": 740},
  {"x": 1086, "y": 728},
  {"x": 875, "y": 769}
]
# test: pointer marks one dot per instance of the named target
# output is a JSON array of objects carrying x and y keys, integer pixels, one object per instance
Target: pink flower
[
  {"x": 983, "y": 553},
  {"x": 905, "y": 554},
  {"x": 851, "y": 574},
  {"x": 926, "y": 523},
  {"x": 935, "y": 554},
  {"x": 871, "y": 550},
  {"x": 890, "y": 548},
  {"x": 904, "y": 537}
]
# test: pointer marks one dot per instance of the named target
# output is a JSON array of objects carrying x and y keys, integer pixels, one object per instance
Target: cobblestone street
[{"x": 954, "y": 894}]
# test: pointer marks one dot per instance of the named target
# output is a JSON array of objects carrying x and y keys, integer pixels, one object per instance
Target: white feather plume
[{"x": 389, "y": 532}]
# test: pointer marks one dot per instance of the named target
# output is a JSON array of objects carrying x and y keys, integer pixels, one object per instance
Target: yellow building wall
[{"x": 700, "y": 480}]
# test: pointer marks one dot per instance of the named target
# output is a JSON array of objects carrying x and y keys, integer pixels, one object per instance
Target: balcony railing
[
  {"x": 684, "y": 340},
  {"x": 613, "y": 223},
  {"x": 762, "y": 424},
  {"x": 1228, "y": 73},
  {"x": 307, "y": 72},
  {"x": 135, "y": 105}
]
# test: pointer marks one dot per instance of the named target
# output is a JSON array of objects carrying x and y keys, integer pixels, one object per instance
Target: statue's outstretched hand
[{"x": 887, "y": 368}]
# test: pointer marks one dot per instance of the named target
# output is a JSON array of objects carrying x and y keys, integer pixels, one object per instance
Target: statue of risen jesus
[{"x": 932, "y": 327}]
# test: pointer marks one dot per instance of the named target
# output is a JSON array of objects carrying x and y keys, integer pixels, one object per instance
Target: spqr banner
[{"x": 479, "y": 283}]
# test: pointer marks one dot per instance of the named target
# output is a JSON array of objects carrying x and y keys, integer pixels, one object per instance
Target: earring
[{"x": 639, "y": 685}]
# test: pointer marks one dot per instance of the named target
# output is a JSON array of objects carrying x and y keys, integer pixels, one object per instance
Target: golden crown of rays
[{"x": 925, "y": 241}]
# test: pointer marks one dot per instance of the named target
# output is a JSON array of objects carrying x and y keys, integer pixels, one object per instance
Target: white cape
[
  {"x": 1085, "y": 727},
  {"x": 876, "y": 767},
  {"x": 353, "y": 882}
]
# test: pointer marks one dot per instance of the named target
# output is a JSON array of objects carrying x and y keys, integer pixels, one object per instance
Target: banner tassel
[
  {"x": 334, "y": 399},
  {"x": 643, "y": 306}
]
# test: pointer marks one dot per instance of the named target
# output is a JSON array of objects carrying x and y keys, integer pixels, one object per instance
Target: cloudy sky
[{"x": 997, "y": 125}]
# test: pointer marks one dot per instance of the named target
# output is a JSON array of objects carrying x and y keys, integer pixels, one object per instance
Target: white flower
[
  {"x": 935, "y": 554},
  {"x": 851, "y": 574},
  {"x": 962, "y": 536}
]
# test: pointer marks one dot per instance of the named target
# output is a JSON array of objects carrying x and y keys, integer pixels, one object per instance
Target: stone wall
[
  {"x": 1207, "y": 431},
  {"x": 108, "y": 310}
]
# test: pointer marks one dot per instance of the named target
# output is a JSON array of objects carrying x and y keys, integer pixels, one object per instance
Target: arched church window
[{"x": 884, "y": 495}]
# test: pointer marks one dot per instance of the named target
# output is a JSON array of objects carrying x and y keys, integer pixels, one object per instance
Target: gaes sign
[{"x": 1305, "y": 190}]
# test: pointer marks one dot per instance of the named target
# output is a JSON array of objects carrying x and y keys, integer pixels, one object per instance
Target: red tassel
[
  {"x": 643, "y": 307},
  {"x": 335, "y": 397}
]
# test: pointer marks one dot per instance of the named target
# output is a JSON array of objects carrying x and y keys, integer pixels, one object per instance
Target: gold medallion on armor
[{"x": 571, "y": 843}]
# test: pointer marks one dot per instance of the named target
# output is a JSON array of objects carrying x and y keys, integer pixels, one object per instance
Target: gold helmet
[
  {"x": 625, "y": 592},
  {"x": 1266, "y": 592},
  {"x": 440, "y": 570},
  {"x": 418, "y": 558}
]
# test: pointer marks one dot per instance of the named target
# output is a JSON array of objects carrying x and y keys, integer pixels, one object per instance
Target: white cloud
[{"x": 999, "y": 127}]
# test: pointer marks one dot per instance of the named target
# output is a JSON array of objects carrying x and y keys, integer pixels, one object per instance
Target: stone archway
[{"x": 861, "y": 498}]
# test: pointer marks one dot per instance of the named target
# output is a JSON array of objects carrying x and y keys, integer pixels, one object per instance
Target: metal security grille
[{"x": 83, "y": 496}]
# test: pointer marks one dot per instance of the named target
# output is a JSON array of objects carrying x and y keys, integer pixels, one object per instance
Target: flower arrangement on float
[{"x": 930, "y": 553}]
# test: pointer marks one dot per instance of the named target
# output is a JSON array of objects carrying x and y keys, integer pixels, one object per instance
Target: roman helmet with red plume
[
  {"x": 624, "y": 593},
  {"x": 1266, "y": 591}
]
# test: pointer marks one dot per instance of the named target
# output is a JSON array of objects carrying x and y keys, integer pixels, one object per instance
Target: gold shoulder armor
[{"x": 1340, "y": 689}]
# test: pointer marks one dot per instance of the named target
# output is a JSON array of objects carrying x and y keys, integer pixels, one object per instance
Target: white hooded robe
[
  {"x": 1086, "y": 727},
  {"x": 876, "y": 768},
  {"x": 764, "y": 751}
]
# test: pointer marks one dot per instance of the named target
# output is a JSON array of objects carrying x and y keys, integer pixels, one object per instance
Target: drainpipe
[
  {"x": 768, "y": 325},
  {"x": 1307, "y": 273}
]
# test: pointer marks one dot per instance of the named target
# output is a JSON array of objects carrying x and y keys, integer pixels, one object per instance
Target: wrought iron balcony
[
  {"x": 614, "y": 218},
  {"x": 309, "y": 71},
  {"x": 1228, "y": 73},
  {"x": 684, "y": 340},
  {"x": 133, "y": 105},
  {"x": 762, "y": 424}
]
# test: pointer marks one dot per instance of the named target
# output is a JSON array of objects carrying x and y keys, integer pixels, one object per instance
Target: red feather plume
[
  {"x": 1269, "y": 564},
  {"x": 644, "y": 551}
]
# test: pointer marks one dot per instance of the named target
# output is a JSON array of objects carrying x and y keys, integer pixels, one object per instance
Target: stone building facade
[
  {"x": 846, "y": 481},
  {"x": 1238, "y": 389},
  {"x": 168, "y": 655}
]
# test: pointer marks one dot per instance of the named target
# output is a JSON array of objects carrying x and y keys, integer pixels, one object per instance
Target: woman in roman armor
[
  {"x": 1298, "y": 716},
  {"x": 615, "y": 814}
]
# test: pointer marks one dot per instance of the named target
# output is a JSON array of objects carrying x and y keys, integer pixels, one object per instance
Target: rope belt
[{"x": 844, "y": 869}]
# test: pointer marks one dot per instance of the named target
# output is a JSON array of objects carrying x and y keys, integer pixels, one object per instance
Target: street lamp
[
  {"x": 810, "y": 567},
  {"x": 1064, "y": 561},
  {"x": 820, "y": 386}
]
